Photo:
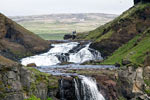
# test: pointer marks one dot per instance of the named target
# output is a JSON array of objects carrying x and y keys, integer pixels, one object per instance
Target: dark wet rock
[
  {"x": 117, "y": 65},
  {"x": 64, "y": 57},
  {"x": 69, "y": 36},
  {"x": 78, "y": 47},
  {"x": 31, "y": 65},
  {"x": 125, "y": 62},
  {"x": 107, "y": 84},
  {"x": 66, "y": 89}
]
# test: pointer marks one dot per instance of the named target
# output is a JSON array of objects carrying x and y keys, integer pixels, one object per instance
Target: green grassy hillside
[
  {"x": 136, "y": 50},
  {"x": 126, "y": 37}
]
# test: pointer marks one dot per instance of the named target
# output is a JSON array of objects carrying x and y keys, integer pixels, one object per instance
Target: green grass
[
  {"x": 35, "y": 98},
  {"x": 56, "y": 31},
  {"x": 48, "y": 26},
  {"x": 98, "y": 34},
  {"x": 50, "y": 80},
  {"x": 132, "y": 52},
  {"x": 52, "y": 36}
]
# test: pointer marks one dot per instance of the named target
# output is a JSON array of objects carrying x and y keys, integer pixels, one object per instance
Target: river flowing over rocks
[
  {"x": 72, "y": 52},
  {"x": 75, "y": 53}
]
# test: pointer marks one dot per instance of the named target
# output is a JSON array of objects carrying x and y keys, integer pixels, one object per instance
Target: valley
[{"x": 55, "y": 26}]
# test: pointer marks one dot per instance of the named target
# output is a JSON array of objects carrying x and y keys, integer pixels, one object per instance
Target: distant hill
[{"x": 54, "y": 26}]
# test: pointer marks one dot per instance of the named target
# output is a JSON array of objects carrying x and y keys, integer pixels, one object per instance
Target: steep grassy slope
[
  {"x": 16, "y": 41},
  {"x": 120, "y": 31},
  {"x": 136, "y": 50}
]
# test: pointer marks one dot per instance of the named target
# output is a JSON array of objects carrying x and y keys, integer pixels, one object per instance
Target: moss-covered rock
[{"x": 18, "y": 82}]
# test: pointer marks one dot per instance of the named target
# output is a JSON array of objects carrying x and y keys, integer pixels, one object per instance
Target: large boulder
[{"x": 131, "y": 83}]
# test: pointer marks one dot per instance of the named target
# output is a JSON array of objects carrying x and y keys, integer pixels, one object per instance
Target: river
[{"x": 74, "y": 53}]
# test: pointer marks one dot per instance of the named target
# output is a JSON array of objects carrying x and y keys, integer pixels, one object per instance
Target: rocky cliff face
[
  {"x": 127, "y": 83},
  {"x": 18, "y": 82},
  {"x": 17, "y": 42}
]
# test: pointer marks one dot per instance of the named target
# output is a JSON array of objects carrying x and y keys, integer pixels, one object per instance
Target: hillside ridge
[
  {"x": 113, "y": 35},
  {"x": 17, "y": 42}
]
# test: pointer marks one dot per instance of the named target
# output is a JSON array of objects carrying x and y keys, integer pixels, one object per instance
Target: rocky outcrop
[
  {"x": 69, "y": 36},
  {"x": 18, "y": 82},
  {"x": 131, "y": 83},
  {"x": 106, "y": 85},
  {"x": 66, "y": 89},
  {"x": 17, "y": 42},
  {"x": 127, "y": 83}
]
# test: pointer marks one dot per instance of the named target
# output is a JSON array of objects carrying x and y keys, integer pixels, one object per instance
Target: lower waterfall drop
[{"x": 88, "y": 89}]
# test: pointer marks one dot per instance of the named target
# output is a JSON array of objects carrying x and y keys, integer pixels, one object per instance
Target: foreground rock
[
  {"x": 128, "y": 83},
  {"x": 18, "y": 82},
  {"x": 17, "y": 42}
]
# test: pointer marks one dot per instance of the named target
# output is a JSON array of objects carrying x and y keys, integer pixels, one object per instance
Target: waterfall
[
  {"x": 62, "y": 90},
  {"x": 77, "y": 92},
  {"x": 89, "y": 89},
  {"x": 82, "y": 88},
  {"x": 85, "y": 54},
  {"x": 73, "y": 52}
]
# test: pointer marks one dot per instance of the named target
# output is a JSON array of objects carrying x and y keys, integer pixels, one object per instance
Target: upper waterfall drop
[
  {"x": 85, "y": 54},
  {"x": 64, "y": 52}
]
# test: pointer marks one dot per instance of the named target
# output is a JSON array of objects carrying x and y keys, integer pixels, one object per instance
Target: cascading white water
[
  {"x": 60, "y": 53},
  {"x": 70, "y": 52},
  {"x": 84, "y": 55},
  {"x": 50, "y": 57},
  {"x": 89, "y": 89}
]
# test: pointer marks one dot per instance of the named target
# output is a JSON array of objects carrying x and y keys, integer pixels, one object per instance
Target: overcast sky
[{"x": 36, "y": 7}]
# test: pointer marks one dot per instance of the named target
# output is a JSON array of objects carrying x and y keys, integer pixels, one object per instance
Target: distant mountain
[
  {"x": 54, "y": 26},
  {"x": 62, "y": 17}
]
